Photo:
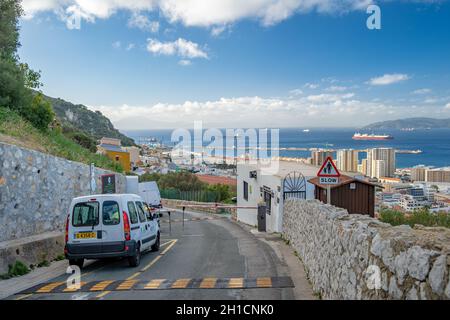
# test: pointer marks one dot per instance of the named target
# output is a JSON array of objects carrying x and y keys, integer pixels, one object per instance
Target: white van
[
  {"x": 107, "y": 226},
  {"x": 149, "y": 191}
]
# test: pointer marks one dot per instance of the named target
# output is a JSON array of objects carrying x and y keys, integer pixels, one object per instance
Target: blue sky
[{"x": 271, "y": 63}]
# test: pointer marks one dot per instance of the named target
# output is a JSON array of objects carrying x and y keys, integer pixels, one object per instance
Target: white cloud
[
  {"x": 311, "y": 85},
  {"x": 388, "y": 79},
  {"x": 422, "y": 91},
  {"x": 200, "y": 12},
  {"x": 181, "y": 47},
  {"x": 318, "y": 110},
  {"x": 336, "y": 88},
  {"x": 140, "y": 21},
  {"x": 130, "y": 46},
  {"x": 296, "y": 92},
  {"x": 117, "y": 44},
  {"x": 185, "y": 62},
  {"x": 447, "y": 106}
]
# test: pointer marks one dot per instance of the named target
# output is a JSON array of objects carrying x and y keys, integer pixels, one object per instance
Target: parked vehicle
[
  {"x": 107, "y": 226},
  {"x": 154, "y": 212},
  {"x": 149, "y": 191}
]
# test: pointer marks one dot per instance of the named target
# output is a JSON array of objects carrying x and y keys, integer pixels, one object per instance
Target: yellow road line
[
  {"x": 133, "y": 276},
  {"x": 101, "y": 285},
  {"x": 169, "y": 247},
  {"x": 126, "y": 285},
  {"x": 24, "y": 296},
  {"x": 73, "y": 288},
  {"x": 208, "y": 283},
  {"x": 48, "y": 288},
  {"x": 150, "y": 264},
  {"x": 104, "y": 293},
  {"x": 236, "y": 283},
  {"x": 180, "y": 283},
  {"x": 264, "y": 282},
  {"x": 154, "y": 284}
]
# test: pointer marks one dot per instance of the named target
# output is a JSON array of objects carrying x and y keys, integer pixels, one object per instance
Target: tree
[
  {"x": 10, "y": 12},
  {"x": 39, "y": 112}
]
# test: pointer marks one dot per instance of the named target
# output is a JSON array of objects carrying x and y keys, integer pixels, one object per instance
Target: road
[{"x": 208, "y": 253}]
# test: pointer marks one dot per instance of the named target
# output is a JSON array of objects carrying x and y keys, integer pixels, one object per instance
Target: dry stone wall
[
  {"x": 358, "y": 257},
  {"x": 36, "y": 190}
]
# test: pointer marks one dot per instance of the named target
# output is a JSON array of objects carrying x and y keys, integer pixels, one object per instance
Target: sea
[{"x": 434, "y": 143}]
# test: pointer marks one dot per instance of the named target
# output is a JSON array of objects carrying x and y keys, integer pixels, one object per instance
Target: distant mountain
[
  {"x": 79, "y": 117},
  {"x": 416, "y": 123}
]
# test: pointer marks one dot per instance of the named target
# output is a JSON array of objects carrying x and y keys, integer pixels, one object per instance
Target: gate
[{"x": 294, "y": 186}]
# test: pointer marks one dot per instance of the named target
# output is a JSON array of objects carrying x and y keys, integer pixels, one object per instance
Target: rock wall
[
  {"x": 358, "y": 257},
  {"x": 36, "y": 190}
]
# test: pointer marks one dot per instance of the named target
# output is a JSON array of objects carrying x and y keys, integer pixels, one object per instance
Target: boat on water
[
  {"x": 365, "y": 136},
  {"x": 306, "y": 130}
]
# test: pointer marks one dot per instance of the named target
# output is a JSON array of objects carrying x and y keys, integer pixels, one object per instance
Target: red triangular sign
[{"x": 328, "y": 169}]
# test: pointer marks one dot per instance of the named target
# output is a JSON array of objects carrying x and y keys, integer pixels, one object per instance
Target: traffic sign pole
[{"x": 328, "y": 194}]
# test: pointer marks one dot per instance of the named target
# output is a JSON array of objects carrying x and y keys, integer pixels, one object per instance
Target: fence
[{"x": 198, "y": 196}]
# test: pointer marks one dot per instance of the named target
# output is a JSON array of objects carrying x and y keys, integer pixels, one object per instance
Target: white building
[
  {"x": 253, "y": 186},
  {"x": 380, "y": 162},
  {"x": 411, "y": 203}
]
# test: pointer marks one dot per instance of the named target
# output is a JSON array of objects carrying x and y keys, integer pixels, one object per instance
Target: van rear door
[
  {"x": 85, "y": 227},
  {"x": 112, "y": 230}
]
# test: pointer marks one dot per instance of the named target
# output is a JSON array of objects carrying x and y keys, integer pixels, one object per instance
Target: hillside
[
  {"x": 416, "y": 123},
  {"x": 14, "y": 129},
  {"x": 79, "y": 117}
]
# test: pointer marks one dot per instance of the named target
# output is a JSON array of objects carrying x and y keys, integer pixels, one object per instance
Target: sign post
[
  {"x": 92, "y": 178},
  {"x": 328, "y": 175}
]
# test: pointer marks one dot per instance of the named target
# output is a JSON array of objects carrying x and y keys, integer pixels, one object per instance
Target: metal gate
[{"x": 294, "y": 186}]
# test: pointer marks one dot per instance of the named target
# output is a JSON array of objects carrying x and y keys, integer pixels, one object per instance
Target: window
[
  {"x": 133, "y": 213},
  {"x": 117, "y": 158},
  {"x": 245, "y": 190},
  {"x": 111, "y": 213},
  {"x": 85, "y": 214},
  {"x": 141, "y": 212}
]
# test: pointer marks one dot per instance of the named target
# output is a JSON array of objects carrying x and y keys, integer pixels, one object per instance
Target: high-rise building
[
  {"x": 380, "y": 162},
  {"x": 318, "y": 157},
  {"x": 363, "y": 167},
  {"x": 347, "y": 160},
  {"x": 437, "y": 175},
  {"x": 418, "y": 173}
]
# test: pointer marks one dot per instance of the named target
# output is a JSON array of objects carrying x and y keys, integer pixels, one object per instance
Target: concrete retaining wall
[
  {"x": 177, "y": 204},
  {"x": 358, "y": 257}
]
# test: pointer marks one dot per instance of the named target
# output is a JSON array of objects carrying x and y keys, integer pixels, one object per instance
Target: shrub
[
  {"x": 18, "y": 269},
  {"x": 39, "y": 112},
  {"x": 421, "y": 216}
]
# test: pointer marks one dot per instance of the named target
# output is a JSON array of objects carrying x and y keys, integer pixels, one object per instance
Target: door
[
  {"x": 268, "y": 201},
  {"x": 85, "y": 227},
  {"x": 134, "y": 221},
  {"x": 147, "y": 239},
  {"x": 112, "y": 230}
]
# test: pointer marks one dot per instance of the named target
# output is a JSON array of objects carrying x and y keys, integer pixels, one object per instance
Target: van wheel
[
  {"x": 156, "y": 246},
  {"x": 76, "y": 262},
  {"x": 135, "y": 260}
]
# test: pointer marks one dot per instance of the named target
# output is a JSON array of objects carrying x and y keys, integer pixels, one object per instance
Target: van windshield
[{"x": 85, "y": 214}]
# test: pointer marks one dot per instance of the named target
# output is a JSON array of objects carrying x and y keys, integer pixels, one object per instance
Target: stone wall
[
  {"x": 36, "y": 190},
  {"x": 358, "y": 257},
  {"x": 177, "y": 204}
]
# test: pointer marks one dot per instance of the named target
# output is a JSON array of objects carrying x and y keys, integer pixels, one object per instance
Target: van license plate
[{"x": 86, "y": 235}]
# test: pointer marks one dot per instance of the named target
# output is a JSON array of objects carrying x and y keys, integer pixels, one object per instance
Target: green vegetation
[
  {"x": 15, "y": 270},
  {"x": 417, "y": 123},
  {"x": 26, "y": 115},
  {"x": 187, "y": 186},
  {"x": 421, "y": 216},
  {"x": 52, "y": 141}
]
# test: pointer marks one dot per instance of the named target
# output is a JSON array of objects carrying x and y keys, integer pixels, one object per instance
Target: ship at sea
[{"x": 365, "y": 136}]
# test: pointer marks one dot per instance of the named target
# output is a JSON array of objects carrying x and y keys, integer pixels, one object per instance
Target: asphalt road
[{"x": 205, "y": 249}]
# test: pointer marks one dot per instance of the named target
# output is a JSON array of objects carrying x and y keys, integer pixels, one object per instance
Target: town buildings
[
  {"x": 347, "y": 160},
  {"x": 380, "y": 162},
  {"x": 113, "y": 149},
  {"x": 318, "y": 157}
]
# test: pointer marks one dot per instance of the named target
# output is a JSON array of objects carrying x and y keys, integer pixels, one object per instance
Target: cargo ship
[{"x": 365, "y": 136}]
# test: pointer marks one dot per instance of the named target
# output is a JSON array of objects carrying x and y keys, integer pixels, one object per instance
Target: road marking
[
  {"x": 264, "y": 282},
  {"x": 108, "y": 286},
  {"x": 180, "y": 284},
  {"x": 169, "y": 247},
  {"x": 74, "y": 288},
  {"x": 101, "y": 285},
  {"x": 126, "y": 285},
  {"x": 24, "y": 296},
  {"x": 236, "y": 283},
  {"x": 49, "y": 287},
  {"x": 150, "y": 264},
  {"x": 154, "y": 284},
  {"x": 104, "y": 293},
  {"x": 134, "y": 276},
  {"x": 208, "y": 283}
]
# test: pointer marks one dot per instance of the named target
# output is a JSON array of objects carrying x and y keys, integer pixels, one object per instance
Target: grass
[
  {"x": 15, "y": 130},
  {"x": 15, "y": 270},
  {"x": 423, "y": 217}
]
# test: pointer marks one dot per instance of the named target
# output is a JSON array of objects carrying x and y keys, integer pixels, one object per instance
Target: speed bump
[{"x": 165, "y": 284}]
